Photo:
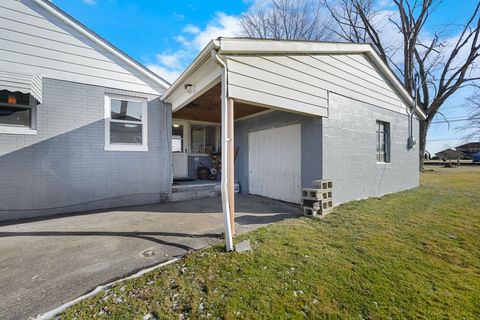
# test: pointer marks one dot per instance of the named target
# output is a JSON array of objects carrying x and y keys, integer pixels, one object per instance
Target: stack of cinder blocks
[{"x": 318, "y": 201}]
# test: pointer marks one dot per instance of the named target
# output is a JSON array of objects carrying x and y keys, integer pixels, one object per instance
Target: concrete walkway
[{"x": 46, "y": 263}]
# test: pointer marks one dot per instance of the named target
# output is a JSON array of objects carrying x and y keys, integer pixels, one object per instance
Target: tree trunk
[{"x": 423, "y": 140}]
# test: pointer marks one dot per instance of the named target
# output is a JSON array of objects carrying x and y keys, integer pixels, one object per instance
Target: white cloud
[
  {"x": 90, "y": 2},
  {"x": 169, "y": 65},
  {"x": 222, "y": 25},
  {"x": 166, "y": 73},
  {"x": 170, "y": 59},
  {"x": 192, "y": 39},
  {"x": 385, "y": 3},
  {"x": 190, "y": 28}
]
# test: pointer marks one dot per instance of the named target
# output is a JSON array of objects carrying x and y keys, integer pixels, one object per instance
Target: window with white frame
[
  {"x": 202, "y": 138},
  {"x": 383, "y": 141},
  {"x": 125, "y": 123},
  {"x": 17, "y": 112}
]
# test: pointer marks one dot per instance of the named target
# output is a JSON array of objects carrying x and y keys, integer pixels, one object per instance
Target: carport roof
[{"x": 233, "y": 46}]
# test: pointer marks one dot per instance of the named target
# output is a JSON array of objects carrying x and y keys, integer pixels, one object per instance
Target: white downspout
[{"x": 224, "y": 133}]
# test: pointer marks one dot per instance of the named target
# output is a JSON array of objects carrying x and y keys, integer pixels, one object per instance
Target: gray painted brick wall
[
  {"x": 349, "y": 151},
  {"x": 342, "y": 147},
  {"x": 64, "y": 168}
]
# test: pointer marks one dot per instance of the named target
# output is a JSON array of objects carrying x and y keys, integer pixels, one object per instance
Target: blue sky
[{"x": 166, "y": 35}]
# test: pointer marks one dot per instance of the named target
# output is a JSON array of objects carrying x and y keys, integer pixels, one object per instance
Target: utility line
[
  {"x": 456, "y": 120},
  {"x": 444, "y": 139}
]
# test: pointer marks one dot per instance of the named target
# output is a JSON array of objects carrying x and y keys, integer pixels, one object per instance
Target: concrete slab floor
[{"x": 46, "y": 263}]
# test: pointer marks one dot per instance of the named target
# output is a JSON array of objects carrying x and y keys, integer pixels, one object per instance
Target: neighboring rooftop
[
  {"x": 451, "y": 154},
  {"x": 469, "y": 145}
]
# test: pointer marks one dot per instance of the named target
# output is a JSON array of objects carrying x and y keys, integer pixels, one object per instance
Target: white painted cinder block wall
[
  {"x": 349, "y": 151},
  {"x": 64, "y": 168}
]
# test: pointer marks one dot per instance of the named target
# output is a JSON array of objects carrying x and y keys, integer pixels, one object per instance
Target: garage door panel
[{"x": 275, "y": 163}]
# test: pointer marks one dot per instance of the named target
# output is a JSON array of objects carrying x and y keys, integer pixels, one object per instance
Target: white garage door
[{"x": 274, "y": 163}]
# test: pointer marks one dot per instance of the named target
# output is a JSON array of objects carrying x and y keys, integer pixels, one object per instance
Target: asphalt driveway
[{"x": 46, "y": 263}]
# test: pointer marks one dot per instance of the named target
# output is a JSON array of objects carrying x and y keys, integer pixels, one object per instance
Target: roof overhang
[
  {"x": 201, "y": 58},
  {"x": 245, "y": 46},
  {"x": 24, "y": 83}
]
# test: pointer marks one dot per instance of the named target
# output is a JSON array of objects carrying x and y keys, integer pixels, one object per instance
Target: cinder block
[
  {"x": 322, "y": 184},
  {"x": 313, "y": 212},
  {"x": 318, "y": 194},
  {"x": 327, "y": 205}
]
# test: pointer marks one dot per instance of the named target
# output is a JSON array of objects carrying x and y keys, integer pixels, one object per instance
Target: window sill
[
  {"x": 14, "y": 130},
  {"x": 383, "y": 163},
  {"x": 124, "y": 147}
]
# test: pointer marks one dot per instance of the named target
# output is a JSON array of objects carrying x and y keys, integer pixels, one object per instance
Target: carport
[
  {"x": 232, "y": 83},
  {"x": 283, "y": 105}
]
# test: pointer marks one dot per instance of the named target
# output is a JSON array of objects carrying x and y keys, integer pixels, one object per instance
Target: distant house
[
  {"x": 450, "y": 154},
  {"x": 470, "y": 148}
]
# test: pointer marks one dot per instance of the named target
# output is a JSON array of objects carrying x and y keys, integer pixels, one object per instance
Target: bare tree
[
  {"x": 443, "y": 64},
  {"x": 286, "y": 19}
]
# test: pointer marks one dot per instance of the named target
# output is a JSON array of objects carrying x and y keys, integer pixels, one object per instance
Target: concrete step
[{"x": 185, "y": 192}]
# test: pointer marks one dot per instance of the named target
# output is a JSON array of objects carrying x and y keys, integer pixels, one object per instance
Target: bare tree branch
[
  {"x": 473, "y": 123},
  {"x": 287, "y": 19}
]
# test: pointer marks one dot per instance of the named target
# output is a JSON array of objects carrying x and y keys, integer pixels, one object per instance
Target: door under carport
[{"x": 274, "y": 163}]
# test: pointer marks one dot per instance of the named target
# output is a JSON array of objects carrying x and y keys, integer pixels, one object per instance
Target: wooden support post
[
  {"x": 226, "y": 162},
  {"x": 231, "y": 162}
]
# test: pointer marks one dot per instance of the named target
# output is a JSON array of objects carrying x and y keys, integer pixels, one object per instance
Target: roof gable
[
  {"x": 303, "y": 55},
  {"x": 249, "y": 46},
  {"x": 299, "y": 74},
  {"x": 37, "y": 37}
]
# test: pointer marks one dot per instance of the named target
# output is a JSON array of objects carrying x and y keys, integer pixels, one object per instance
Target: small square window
[
  {"x": 125, "y": 123},
  {"x": 383, "y": 141}
]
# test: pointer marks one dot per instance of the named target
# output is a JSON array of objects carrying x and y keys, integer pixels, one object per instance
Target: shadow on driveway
[
  {"x": 140, "y": 235},
  {"x": 49, "y": 261}
]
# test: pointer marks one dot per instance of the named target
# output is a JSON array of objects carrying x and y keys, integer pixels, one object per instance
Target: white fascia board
[
  {"x": 203, "y": 56},
  {"x": 260, "y": 46},
  {"x": 51, "y": 8}
]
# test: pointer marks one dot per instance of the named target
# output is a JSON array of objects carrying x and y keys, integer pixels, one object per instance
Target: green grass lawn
[{"x": 410, "y": 255}]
